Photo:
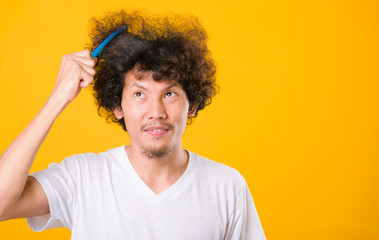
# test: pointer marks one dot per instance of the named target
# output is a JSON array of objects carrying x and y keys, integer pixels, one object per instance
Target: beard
[{"x": 156, "y": 152}]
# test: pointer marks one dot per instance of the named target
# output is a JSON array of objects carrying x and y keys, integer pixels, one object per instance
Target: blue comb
[{"x": 98, "y": 50}]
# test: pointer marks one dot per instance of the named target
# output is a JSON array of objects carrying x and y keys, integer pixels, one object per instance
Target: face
[{"x": 155, "y": 114}]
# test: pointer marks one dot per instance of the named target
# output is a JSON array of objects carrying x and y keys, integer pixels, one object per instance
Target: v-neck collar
[{"x": 172, "y": 191}]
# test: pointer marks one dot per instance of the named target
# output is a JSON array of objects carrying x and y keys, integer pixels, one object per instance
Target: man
[{"x": 151, "y": 79}]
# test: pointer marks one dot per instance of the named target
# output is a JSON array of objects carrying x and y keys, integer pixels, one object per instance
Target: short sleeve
[
  {"x": 244, "y": 222},
  {"x": 58, "y": 184}
]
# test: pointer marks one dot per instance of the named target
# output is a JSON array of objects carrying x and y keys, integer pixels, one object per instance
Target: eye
[
  {"x": 170, "y": 94},
  {"x": 139, "y": 94}
]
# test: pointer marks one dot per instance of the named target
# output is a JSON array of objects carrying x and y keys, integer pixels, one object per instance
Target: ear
[
  {"x": 118, "y": 112},
  {"x": 192, "y": 111}
]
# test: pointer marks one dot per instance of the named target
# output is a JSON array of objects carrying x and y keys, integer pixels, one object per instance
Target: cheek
[
  {"x": 130, "y": 108},
  {"x": 182, "y": 113},
  {"x": 131, "y": 116},
  {"x": 132, "y": 125}
]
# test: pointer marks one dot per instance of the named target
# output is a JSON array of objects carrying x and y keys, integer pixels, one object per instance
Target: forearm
[
  {"x": 17, "y": 159},
  {"x": 76, "y": 72}
]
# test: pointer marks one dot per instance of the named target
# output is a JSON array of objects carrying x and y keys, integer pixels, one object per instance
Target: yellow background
[{"x": 297, "y": 113}]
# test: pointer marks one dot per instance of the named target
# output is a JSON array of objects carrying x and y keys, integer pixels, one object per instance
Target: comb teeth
[{"x": 98, "y": 50}]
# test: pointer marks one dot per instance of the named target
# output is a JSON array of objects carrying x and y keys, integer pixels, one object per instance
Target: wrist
[{"x": 57, "y": 103}]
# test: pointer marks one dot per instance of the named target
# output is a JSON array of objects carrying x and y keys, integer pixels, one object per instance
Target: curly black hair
[{"x": 172, "y": 47}]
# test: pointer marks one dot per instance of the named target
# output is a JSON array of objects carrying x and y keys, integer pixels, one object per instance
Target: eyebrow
[{"x": 136, "y": 85}]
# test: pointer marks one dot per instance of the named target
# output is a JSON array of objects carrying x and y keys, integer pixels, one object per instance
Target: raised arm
[{"x": 20, "y": 195}]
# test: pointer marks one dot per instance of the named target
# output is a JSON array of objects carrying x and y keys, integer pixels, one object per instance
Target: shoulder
[
  {"x": 217, "y": 169},
  {"x": 219, "y": 174},
  {"x": 90, "y": 159}
]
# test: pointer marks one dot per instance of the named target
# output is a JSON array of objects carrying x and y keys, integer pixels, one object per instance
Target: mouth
[{"x": 158, "y": 130}]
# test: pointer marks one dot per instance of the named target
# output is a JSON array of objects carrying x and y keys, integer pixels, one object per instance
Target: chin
[{"x": 156, "y": 151}]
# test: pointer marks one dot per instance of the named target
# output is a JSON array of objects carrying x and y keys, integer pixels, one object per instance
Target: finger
[
  {"x": 87, "y": 61},
  {"x": 82, "y": 75},
  {"x": 87, "y": 68},
  {"x": 85, "y": 53},
  {"x": 86, "y": 79}
]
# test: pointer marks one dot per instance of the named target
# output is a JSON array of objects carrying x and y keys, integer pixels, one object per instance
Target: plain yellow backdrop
[{"x": 297, "y": 113}]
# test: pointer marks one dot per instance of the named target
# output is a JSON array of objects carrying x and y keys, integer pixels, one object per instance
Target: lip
[{"x": 157, "y": 130}]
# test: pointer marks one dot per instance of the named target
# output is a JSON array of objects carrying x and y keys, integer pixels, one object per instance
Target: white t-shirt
[{"x": 101, "y": 196}]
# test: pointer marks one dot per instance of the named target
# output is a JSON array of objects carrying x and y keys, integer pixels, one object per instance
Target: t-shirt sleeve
[
  {"x": 244, "y": 222},
  {"x": 58, "y": 184}
]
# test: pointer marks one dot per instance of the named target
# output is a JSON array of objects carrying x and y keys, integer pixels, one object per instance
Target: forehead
[{"x": 145, "y": 79}]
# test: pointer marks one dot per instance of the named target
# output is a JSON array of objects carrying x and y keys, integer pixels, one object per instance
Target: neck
[{"x": 158, "y": 172}]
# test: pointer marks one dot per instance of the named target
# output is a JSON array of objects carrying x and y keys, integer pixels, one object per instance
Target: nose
[{"x": 156, "y": 110}]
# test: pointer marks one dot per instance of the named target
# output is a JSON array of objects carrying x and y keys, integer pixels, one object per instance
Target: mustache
[{"x": 146, "y": 125}]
